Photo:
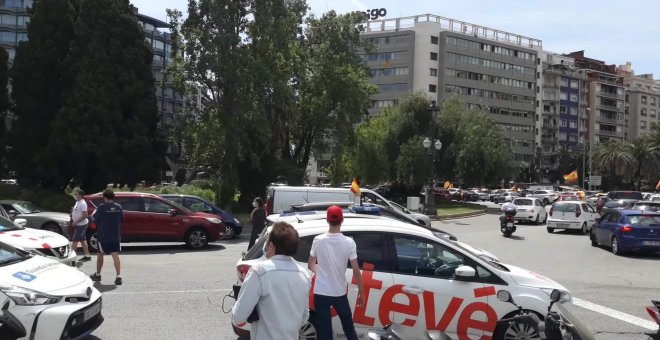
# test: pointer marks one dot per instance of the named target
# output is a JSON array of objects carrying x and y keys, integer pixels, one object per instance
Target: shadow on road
[
  {"x": 567, "y": 232},
  {"x": 103, "y": 288},
  {"x": 517, "y": 238},
  {"x": 640, "y": 255},
  {"x": 166, "y": 249},
  {"x": 236, "y": 240}
]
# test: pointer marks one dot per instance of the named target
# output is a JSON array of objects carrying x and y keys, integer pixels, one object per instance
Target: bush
[{"x": 202, "y": 184}]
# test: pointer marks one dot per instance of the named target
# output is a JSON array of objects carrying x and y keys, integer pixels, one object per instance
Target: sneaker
[
  {"x": 95, "y": 277},
  {"x": 118, "y": 281},
  {"x": 85, "y": 259}
]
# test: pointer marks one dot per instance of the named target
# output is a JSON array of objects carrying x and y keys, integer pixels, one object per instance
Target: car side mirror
[
  {"x": 465, "y": 273},
  {"x": 21, "y": 222},
  {"x": 173, "y": 212},
  {"x": 12, "y": 213}
]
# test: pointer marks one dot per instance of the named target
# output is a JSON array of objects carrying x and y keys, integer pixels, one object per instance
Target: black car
[{"x": 195, "y": 203}]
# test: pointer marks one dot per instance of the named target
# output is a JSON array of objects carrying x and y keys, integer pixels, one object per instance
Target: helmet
[{"x": 507, "y": 199}]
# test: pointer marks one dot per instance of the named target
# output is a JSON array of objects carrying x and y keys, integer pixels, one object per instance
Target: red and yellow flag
[
  {"x": 355, "y": 187},
  {"x": 657, "y": 186},
  {"x": 572, "y": 177}
]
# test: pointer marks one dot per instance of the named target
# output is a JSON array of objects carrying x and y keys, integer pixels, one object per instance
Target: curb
[{"x": 462, "y": 215}]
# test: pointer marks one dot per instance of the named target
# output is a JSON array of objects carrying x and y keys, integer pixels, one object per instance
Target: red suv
[{"x": 149, "y": 218}]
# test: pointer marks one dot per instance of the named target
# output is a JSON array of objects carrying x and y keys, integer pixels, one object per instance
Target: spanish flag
[
  {"x": 572, "y": 177},
  {"x": 657, "y": 186},
  {"x": 355, "y": 187},
  {"x": 448, "y": 185}
]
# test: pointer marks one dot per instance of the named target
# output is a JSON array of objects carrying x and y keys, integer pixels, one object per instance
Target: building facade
[
  {"x": 642, "y": 101},
  {"x": 442, "y": 58},
  {"x": 13, "y": 24}
]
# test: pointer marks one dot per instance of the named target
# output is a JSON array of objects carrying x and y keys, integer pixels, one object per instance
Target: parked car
[
  {"x": 400, "y": 258},
  {"x": 233, "y": 226},
  {"x": 36, "y": 217},
  {"x": 530, "y": 210},
  {"x": 151, "y": 218},
  {"x": 655, "y": 198},
  {"x": 546, "y": 196},
  {"x": 627, "y": 230},
  {"x": 647, "y": 206},
  {"x": 484, "y": 195},
  {"x": 571, "y": 215},
  {"x": 38, "y": 242},
  {"x": 465, "y": 195}
]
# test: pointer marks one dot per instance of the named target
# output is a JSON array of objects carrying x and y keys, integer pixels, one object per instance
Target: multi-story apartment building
[
  {"x": 562, "y": 110},
  {"x": 642, "y": 101},
  {"x": 605, "y": 95},
  {"x": 13, "y": 24},
  {"x": 442, "y": 57}
]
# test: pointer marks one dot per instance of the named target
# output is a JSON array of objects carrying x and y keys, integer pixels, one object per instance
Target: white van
[{"x": 281, "y": 198}]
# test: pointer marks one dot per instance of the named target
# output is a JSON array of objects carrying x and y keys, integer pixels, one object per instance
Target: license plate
[
  {"x": 562, "y": 225},
  {"x": 652, "y": 243},
  {"x": 90, "y": 313},
  {"x": 510, "y": 225}
]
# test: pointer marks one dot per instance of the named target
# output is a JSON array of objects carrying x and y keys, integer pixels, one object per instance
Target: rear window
[
  {"x": 523, "y": 202},
  {"x": 565, "y": 207},
  {"x": 626, "y": 195},
  {"x": 642, "y": 220}
]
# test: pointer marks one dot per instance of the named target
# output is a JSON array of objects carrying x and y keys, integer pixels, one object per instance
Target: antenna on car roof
[{"x": 298, "y": 218}]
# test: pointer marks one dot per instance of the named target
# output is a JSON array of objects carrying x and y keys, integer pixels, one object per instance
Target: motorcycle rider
[{"x": 507, "y": 205}]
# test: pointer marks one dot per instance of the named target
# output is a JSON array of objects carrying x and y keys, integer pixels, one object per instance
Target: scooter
[
  {"x": 508, "y": 225},
  {"x": 10, "y": 327},
  {"x": 558, "y": 325},
  {"x": 654, "y": 312},
  {"x": 397, "y": 331}
]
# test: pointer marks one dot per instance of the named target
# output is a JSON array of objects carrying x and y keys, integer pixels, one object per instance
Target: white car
[
  {"x": 654, "y": 198},
  {"x": 572, "y": 215},
  {"x": 423, "y": 281},
  {"x": 38, "y": 242},
  {"x": 417, "y": 216},
  {"x": 51, "y": 300},
  {"x": 545, "y": 196},
  {"x": 530, "y": 210}
]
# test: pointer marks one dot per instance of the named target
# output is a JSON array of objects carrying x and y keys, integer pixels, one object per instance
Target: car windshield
[
  {"x": 400, "y": 208},
  {"x": 9, "y": 255},
  {"x": 644, "y": 220},
  {"x": 523, "y": 201},
  {"x": 648, "y": 206},
  {"x": 569, "y": 198},
  {"x": 26, "y": 208},
  {"x": 7, "y": 225}
]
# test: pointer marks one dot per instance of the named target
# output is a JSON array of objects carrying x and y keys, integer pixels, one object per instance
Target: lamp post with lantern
[{"x": 429, "y": 204}]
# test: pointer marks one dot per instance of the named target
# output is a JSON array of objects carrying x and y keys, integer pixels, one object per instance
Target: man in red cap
[{"x": 327, "y": 259}]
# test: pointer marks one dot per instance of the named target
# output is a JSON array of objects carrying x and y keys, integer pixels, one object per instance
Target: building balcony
[
  {"x": 608, "y": 82},
  {"x": 608, "y": 94},
  {"x": 609, "y": 133},
  {"x": 609, "y": 107},
  {"x": 608, "y": 120}
]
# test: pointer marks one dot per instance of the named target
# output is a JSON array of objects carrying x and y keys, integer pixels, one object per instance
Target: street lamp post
[
  {"x": 590, "y": 147},
  {"x": 429, "y": 204}
]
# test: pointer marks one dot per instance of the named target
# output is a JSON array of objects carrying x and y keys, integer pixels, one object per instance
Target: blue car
[
  {"x": 627, "y": 230},
  {"x": 195, "y": 203}
]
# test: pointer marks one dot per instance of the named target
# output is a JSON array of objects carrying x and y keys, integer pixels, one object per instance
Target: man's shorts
[
  {"x": 80, "y": 233},
  {"x": 109, "y": 247}
]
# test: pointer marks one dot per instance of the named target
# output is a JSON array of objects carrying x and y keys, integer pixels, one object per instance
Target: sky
[{"x": 613, "y": 31}]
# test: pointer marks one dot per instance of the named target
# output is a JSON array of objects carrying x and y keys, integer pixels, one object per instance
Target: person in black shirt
[
  {"x": 108, "y": 217},
  {"x": 258, "y": 219}
]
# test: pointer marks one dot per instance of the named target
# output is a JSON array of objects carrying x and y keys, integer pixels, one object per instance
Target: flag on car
[
  {"x": 355, "y": 186},
  {"x": 572, "y": 177}
]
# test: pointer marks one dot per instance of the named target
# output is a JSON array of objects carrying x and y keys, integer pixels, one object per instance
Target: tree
[
  {"x": 4, "y": 106},
  {"x": 40, "y": 78},
  {"x": 615, "y": 158},
  {"x": 644, "y": 159}
]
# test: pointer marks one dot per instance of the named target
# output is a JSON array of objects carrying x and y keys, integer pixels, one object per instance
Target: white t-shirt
[
  {"x": 332, "y": 252},
  {"x": 78, "y": 209}
]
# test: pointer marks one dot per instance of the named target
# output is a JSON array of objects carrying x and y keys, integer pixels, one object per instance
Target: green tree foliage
[
  {"x": 85, "y": 76},
  {"x": 614, "y": 158},
  {"x": 4, "y": 107}
]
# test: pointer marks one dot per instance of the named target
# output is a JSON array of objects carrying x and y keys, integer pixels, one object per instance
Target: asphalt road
[{"x": 170, "y": 292}]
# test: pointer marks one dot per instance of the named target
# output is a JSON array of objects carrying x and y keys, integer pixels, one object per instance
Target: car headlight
[
  {"x": 64, "y": 223},
  {"x": 27, "y": 297},
  {"x": 237, "y": 221},
  {"x": 213, "y": 220},
  {"x": 564, "y": 297}
]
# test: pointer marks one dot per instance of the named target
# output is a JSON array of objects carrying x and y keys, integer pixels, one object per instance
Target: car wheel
[
  {"x": 521, "y": 329},
  {"x": 616, "y": 247},
  {"x": 545, "y": 219},
  {"x": 308, "y": 331},
  {"x": 584, "y": 228},
  {"x": 92, "y": 241},
  {"x": 197, "y": 238},
  {"x": 52, "y": 227},
  {"x": 592, "y": 236},
  {"x": 550, "y": 230},
  {"x": 229, "y": 231},
  {"x": 536, "y": 222}
]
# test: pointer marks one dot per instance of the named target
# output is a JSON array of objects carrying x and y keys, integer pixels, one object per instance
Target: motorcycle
[
  {"x": 654, "y": 312},
  {"x": 558, "y": 325},
  {"x": 397, "y": 331},
  {"x": 10, "y": 327},
  {"x": 508, "y": 225}
]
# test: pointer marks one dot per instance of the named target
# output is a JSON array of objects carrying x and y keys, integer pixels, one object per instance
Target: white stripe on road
[
  {"x": 171, "y": 291},
  {"x": 615, "y": 314}
]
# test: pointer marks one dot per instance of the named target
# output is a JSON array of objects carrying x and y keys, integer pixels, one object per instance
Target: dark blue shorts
[
  {"x": 109, "y": 247},
  {"x": 80, "y": 233}
]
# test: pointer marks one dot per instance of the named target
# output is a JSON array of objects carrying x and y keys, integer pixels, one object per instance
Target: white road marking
[
  {"x": 615, "y": 314},
  {"x": 171, "y": 292}
]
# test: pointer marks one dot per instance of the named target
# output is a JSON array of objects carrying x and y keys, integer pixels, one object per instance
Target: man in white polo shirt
[{"x": 329, "y": 256}]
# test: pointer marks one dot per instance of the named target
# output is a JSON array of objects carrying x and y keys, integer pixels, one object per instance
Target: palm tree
[
  {"x": 615, "y": 156},
  {"x": 645, "y": 158},
  {"x": 654, "y": 138}
]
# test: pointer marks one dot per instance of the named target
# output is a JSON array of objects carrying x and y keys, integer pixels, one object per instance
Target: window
[
  {"x": 159, "y": 45},
  {"x": 175, "y": 199},
  {"x": 643, "y": 99},
  {"x": 23, "y": 20},
  {"x": 7, "y": 19},
  {"x": 642, "y": 124},
  {"x": 304, "y": 246},
  {"x": 434, "y": 72},
  {"x": 563, "y": 96},
  {"x": 128, "y": 203},
  {"x": 155, "y": 206},
  {"x": 21, "y": 37},
  {"x": 434, "y": 56},
  {"x": 434, "y": 40},
  {"x": 564, "y": 82},
  {"x": 574, "y": 97},
  {"x": 372, "y": 249},
  {"x": 393, "y": 87},
  {"x": 149, "y": 27},
  {"x": 197, "y": 205},
  {"x": 562, "y": 109},
  {"x": 433, "y": 88},
  {"x": 562, "y": 123},
  {"x": 573, "y": 111},
  {"x": 572, "y": 124},
  {"x": 416, "y": 256},
  {"x": 643, "y": 112},
  {"x": 575, "y": 84},
  {"x": 653, "y": 101},
  {"x": 8, "y": 37}
]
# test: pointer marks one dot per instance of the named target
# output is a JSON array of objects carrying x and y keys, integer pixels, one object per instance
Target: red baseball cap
[{"x": 335, "y": 214}]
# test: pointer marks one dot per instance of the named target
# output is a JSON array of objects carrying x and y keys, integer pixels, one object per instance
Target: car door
[
  {"x": 606, "y": 226},
  {"x": 424, "y": 280},
  {"x": 540, "y": 209},
  {"x": 134, "y": 219},
  {"x": 161, "y": 224},
  {"x": 375, "y": 260}
]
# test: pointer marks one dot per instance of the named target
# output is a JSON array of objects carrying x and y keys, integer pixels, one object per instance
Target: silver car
[{"x": 36, "y": 218}]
